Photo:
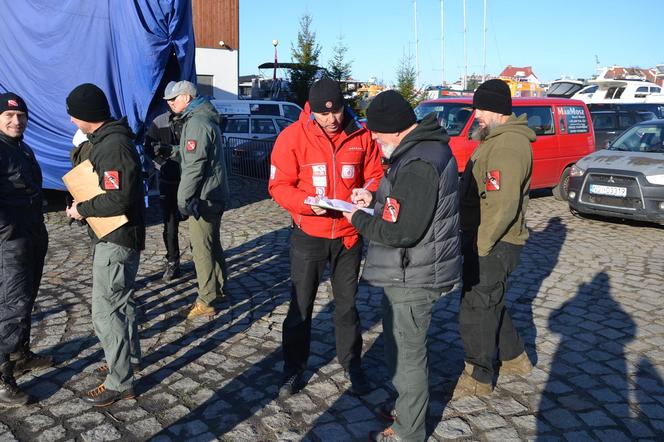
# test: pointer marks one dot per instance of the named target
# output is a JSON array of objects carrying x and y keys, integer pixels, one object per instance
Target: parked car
[
  {"x": 610, "y": 120},
  {"x": 254, "y": 127},
  {"x": 626, "y": 180},
  {"x": 250, "y": 158},
  {"x": 290, "y": 111},
  {"x": 563, "y": 128}
]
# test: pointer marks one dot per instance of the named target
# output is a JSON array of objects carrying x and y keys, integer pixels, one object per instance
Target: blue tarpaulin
[{"x": 129, "y": 48}]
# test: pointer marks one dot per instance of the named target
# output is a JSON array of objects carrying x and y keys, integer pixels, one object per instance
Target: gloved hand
[
  {"x": 162, "y": 150},
  {"x": 191, "y": 209}
]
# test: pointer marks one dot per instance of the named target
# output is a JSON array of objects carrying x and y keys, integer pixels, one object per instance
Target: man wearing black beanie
[
  {"x": 23, "y": 245},
  {"x": 116, "y": 255},
  {"x": 324, "y": 154},
  {"x": 494, "y": 199},
  {"x": 414, "y": 250}
]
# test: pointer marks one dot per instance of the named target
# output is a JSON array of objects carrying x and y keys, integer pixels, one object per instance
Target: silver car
[{"x": 626, "y": 180}]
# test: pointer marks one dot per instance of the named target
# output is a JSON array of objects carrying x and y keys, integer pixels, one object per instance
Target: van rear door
[{"x": 546, "y": 148}]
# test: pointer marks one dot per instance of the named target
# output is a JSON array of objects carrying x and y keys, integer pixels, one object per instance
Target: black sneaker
[
  {"x": 102, "y": 397},
  {"x": 358, "y": 382},
  {"x": 172, "y": 271},
  {"x": 10, "y": 394},
  {"x": 102, "y": 371},
  {"x": 290, "y": 385},
  {"x": 30, "y": 361}
]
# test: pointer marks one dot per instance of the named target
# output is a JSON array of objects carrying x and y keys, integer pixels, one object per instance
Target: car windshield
[
  {"x": 641, "y": 138},
  {"x": 451, "y": 116}
]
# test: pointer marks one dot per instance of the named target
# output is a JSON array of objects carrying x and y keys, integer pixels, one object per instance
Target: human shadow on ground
[
  {"x": 649, "y": 392},
  {"x": 538, "y": 259},
  {"x": 250, "y": 388},
  {"x": 258, "y": 250},
  {"x": 587, "y": 393}
]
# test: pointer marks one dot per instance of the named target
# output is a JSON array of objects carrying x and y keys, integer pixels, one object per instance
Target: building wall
[
  {"x": 222, "y": 65},
  {"x": 217, "y": 21}
]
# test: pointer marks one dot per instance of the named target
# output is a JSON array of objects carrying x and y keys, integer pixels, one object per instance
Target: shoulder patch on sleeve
[
  {"x": 391, "y": 210},
  {"x": 191, "y": 145},
  {"x": 492, "y": 180},
  {"x": 111, "y": 180}
]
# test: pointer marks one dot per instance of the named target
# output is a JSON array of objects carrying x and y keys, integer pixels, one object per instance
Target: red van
[{"x": 563, "y": 128}]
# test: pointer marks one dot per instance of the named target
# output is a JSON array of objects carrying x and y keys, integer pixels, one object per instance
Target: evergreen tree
[
  {"x": 406, "y": 77},
  {"x": 305, "y": 53},
  {"x": 338, "y": 67}
]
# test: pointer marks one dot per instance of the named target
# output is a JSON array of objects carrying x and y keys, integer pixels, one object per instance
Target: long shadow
[
  {"x": 45, "y": 385},
  {"x": 587, "y": 390},
  {"x": 255, "y": 386},
  {"x": 649, "y": 392},
  {"x": 538, "y": 259}
]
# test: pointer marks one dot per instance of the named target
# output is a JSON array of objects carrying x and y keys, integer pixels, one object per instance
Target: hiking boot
[
  {"x": 358, "y": 382},
  {"x": 518, "y": 366},
  {"x": 291, "y": 385},
  {"x": 10, "y": 394},
  {"x": 102, "y": 397},
  {"x": 387, "y": 435},
  {"x": 386, "y": 412},
  {"x": 102, "y": 371},
  {"x": 172, "y": 271},
  {"x": 200, "y": 310},
  {"x": 29, "y": 361},
  {"x": 468, "y": 386}
]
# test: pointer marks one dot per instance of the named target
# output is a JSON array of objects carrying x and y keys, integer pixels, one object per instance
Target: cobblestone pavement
[{"x": 586, "y": 297}]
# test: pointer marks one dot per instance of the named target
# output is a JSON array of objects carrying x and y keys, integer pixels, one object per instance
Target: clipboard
[
  {"x": 334, "y": 204},
  {"x": 83, "y": 183}
]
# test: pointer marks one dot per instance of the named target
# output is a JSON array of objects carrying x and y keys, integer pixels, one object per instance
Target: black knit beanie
[
  {"x": 325, "y": 96},
  {"x": 494, "y": 96},
  {"x": 389, "y": 113},
  {"x": 11, "y": 101},
  {"x": 88, "y": 103}
]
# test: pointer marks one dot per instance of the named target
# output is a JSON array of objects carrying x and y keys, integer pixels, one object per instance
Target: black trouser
[
  {"x": 168, "y": 200},
  {"x": 308, "y": 258},
  {"x": 21, "y": 266},
  {"x": 484, "y": 323}
]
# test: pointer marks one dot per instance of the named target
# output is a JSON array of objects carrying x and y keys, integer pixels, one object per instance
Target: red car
[{"x": 563, "y": 128}]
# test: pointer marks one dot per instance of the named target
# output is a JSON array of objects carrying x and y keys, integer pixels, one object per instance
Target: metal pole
[
  {"x": 465, "y": 49},
  {"x": 417, "y": 48},
  {"x": 442, "y": 44},
  {"x": 484, "y": 65},
  {"x": 274, "y": 72}
]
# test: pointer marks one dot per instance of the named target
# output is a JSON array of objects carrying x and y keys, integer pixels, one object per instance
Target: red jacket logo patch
[
  {"x": 112, "y": 180},
  {"x": 191, "y": 145},
  {"x": 492, "y": 180},
  {"x": 391, "y": 210}
]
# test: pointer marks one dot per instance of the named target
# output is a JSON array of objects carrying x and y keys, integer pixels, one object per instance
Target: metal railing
[{"x": 248, "y": 158}]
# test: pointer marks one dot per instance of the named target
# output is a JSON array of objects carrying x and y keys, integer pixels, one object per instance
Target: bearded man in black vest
[{"x": 414, "y": 249}]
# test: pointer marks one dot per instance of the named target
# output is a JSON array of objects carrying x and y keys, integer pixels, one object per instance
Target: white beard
[{"x": 387, "y": 150}]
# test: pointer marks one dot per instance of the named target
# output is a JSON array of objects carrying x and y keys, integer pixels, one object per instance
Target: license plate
[{"x": 597, "y": 189}]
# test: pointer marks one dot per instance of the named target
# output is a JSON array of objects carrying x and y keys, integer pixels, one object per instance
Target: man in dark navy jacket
[{"x": 23, "y": 244}]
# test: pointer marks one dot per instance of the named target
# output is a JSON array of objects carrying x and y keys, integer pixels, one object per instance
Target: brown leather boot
[
  {"x": 518, "y": 366},
  {"x": 467, "y": 385},
  {"x": 28, "y": 361}
]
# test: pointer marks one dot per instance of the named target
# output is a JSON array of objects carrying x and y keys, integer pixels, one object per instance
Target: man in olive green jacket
[
  {"x": 494, "y": 198},
  {"x": 203, "y": 190}
]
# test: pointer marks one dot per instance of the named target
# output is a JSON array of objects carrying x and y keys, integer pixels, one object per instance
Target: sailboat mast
[
  {"x": 465, "y": 49},
  {"x": 442, "y": 43},
  {"x": 484, "y": 64},
  {"x": 417, "y": 48}
]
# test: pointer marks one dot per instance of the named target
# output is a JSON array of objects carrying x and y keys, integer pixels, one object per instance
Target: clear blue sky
[{"x": 554, "y": 37}]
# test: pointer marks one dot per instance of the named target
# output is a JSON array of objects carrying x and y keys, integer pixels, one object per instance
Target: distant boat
[
  {"x": 565, "y": 87},
  {"x": 604, "y": 90}
]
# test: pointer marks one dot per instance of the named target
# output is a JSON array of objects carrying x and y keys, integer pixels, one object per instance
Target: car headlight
[
  {"x": 656, "y": 179},
  {"x": 576, "y": 171}
]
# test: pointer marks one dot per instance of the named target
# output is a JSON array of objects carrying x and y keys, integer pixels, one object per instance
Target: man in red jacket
[{"x": 325, "y": 153}]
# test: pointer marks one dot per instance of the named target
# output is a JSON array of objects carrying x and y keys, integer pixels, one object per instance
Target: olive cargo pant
[
  {"x": 114, "y": 269},
  {"x": 406, "y": 319},
  {"x": 208, "y": 255}
]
